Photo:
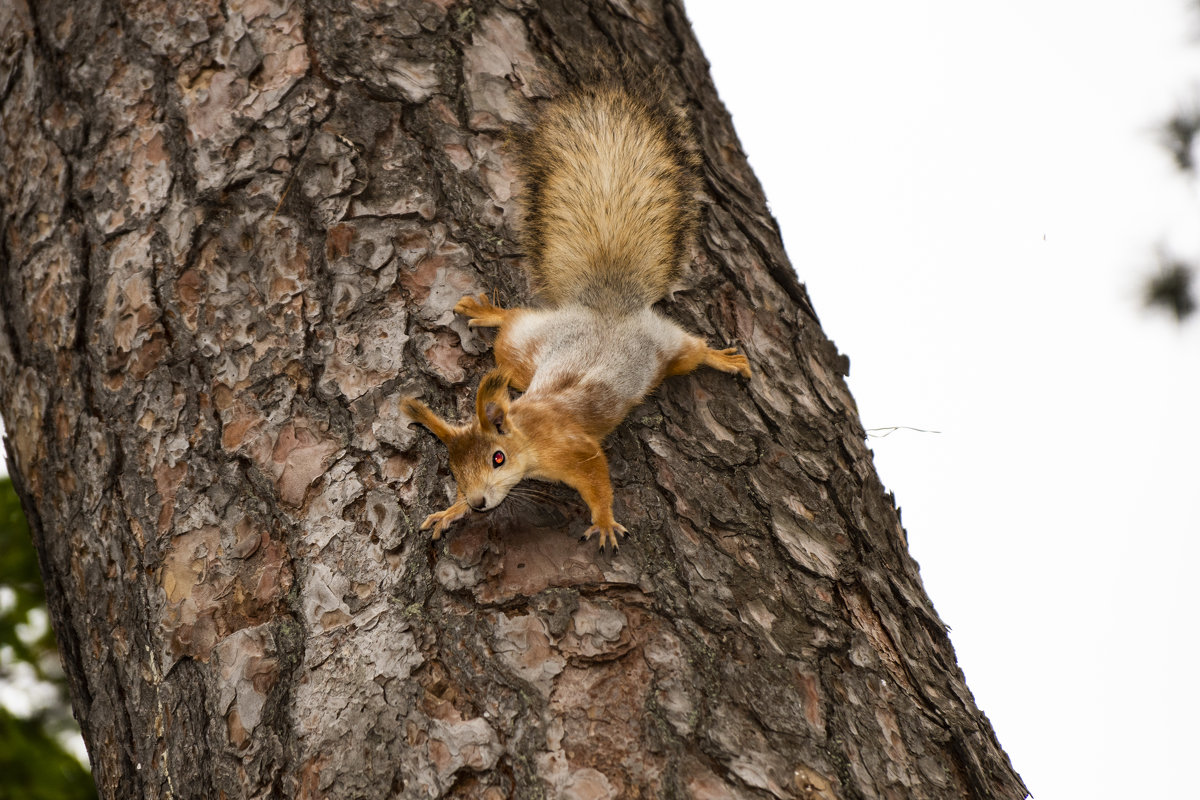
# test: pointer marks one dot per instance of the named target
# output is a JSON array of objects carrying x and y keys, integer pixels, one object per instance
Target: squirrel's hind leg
[
  {"x": 486, "y": 314},
  {"x": 727, "y": 360},
  {"x": 695, "y": 353}
]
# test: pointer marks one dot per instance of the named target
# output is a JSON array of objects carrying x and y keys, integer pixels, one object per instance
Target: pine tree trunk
[{"x": 233, "y": 233}]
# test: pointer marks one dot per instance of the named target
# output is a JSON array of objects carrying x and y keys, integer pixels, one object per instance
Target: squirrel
[{"x": 609, "y": 215}]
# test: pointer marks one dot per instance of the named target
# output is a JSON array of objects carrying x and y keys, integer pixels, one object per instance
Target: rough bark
[{"x": 233, "y": 233}]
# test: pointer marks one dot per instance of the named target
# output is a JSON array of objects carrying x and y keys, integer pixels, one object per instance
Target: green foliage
[
  {"x": 1171, "y": 288},
  {"x": 19, "y": 573},
  {"x": 34, "y": 765},
  {"x": 1179, "y": 136}
]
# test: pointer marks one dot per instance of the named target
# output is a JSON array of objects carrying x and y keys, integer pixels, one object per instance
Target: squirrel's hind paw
[
  {"x": 730, "y": 360},
  {"x": 608, "y": 535},
  {"x": 482, "y": 311}
]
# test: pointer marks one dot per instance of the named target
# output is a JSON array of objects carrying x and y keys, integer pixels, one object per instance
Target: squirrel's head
[{"x": 488, "y": 454}]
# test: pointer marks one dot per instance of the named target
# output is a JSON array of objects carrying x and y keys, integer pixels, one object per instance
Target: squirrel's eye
[{"x": 498, "y": 459}]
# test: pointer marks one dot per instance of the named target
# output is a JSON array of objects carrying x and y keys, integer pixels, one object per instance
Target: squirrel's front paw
[
  {"x": 482, "y": 311},
  {"x": 440, "y": 520},
  {"x": 608, "y": 534}
]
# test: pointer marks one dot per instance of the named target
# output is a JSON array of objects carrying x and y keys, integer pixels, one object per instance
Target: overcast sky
[{"x": 972, "y": 193}]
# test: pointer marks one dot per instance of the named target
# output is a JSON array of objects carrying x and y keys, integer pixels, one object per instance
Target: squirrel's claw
[
  {"x": 483, "y": 312},
  {"x": 440, "y": 520},
  {"x": 468, "y": 303},
  {"x": 608, "y": 535},
  {"x": 730, "y": 360}
]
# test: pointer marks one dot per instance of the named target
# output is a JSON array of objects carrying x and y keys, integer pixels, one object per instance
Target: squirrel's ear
[
  {"x": 491, "y": 403},
  {"x": 420, "y": 413}
]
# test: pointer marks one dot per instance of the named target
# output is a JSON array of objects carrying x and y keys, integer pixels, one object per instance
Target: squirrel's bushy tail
[{"x": 609, "y": 205}]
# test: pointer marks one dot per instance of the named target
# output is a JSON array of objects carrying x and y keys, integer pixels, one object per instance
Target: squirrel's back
[{"x": 610, "y": 211}]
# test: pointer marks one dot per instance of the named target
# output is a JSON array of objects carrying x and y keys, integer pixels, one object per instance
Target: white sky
[{"x": 972, "y": 193}]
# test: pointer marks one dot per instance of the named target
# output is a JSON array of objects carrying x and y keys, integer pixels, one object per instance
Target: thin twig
[{"x": 893, "y": 428}]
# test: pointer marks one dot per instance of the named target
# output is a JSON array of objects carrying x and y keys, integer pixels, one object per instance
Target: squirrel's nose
[{"x": 477, "y": 502}]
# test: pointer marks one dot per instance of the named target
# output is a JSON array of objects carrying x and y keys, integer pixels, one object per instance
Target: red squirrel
[{"x": 609, "y": 216}]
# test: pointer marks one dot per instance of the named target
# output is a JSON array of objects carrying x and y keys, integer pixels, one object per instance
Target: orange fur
[{"x": 609, "y": 217}]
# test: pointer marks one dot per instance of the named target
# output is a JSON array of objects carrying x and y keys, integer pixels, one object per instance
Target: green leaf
[{"x": 33, "y": 763}]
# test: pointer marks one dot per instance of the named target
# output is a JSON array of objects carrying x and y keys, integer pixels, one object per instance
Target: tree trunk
[{"x": 233, "y": 233}]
